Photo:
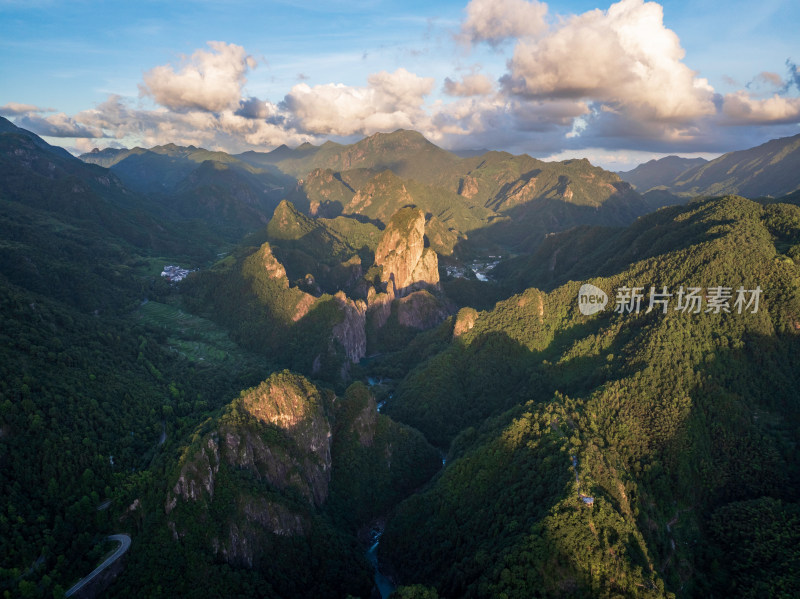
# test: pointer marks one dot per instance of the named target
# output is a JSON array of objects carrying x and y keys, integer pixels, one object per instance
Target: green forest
[{"x": 516, "y": 448}]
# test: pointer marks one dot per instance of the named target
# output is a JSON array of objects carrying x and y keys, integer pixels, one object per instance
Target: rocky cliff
[
  {"x": 406, "y": 264},
  {"x": 350, "y": 332},
  {"x": 265, "y": 465}
]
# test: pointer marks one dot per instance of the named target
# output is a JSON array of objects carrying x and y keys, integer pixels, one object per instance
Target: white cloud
[
  {"x": 475, "y": 84},
  {"x": 624, "y": 57},
  {"x": 742, "y": 108},
  {"x": 389, "y": 101},
  {"x": 210, "y": 81},
  {"x": 613, "y": 79},
  {"x": 495, "y": 21},
  {"x": 226, "y": 130}
]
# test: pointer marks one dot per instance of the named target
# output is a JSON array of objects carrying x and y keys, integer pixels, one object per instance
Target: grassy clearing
[{"x": 198, "y": 339}]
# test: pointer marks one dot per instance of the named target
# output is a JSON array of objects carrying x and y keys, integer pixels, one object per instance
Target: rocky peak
[
  {"x": 284, "y": 400},
  {"x": 288, "y": 222},
  {"x": 407, "y": 265},
  {"x": 272, "y": 266},
  {"x": 295, "y": 456}
]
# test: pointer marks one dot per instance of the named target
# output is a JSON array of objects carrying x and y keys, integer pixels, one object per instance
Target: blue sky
[{"x": 619, "y": 83}]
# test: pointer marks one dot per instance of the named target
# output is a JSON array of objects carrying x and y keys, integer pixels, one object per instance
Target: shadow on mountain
[
  {"x": 486, "y": 375},
  {"x": 522, "y": 228},
  {"x": 659, "y": 448},
  {"x": 587, "y": 251}
]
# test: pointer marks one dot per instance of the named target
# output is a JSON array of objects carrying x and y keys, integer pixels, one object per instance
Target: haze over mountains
[
  {"x": 382, "y": 341},
  {"x": 767, "y": 170}
]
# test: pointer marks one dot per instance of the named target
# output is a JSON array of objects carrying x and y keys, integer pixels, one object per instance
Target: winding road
[{"x": 125, "y": 542}]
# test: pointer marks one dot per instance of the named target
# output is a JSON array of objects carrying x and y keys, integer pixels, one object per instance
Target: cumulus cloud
[
  {"x": 210, "y": 80},
  {"x": 624, "y": 57},
  {"x": 613, "y": 79},
  {"x": 227, "y": 130},
  {"x": 498, "y": 122},
  {"x": 742, "y": 109},
  {"x": 57, "y": 125},
  {"x": 495, "y": 21},
  {"x": 475, "y": 84},
  {"x": 389, "y": 101},
  {"x": 253, "y": 108}
]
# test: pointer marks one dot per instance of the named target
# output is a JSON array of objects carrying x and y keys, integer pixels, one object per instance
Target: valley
[{"x": 386, "y": 331}]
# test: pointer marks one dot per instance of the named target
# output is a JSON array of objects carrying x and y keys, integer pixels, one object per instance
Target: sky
[{"x": 619, "y": 83}]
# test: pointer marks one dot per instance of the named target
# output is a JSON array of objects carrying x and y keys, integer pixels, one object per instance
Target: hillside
[
  {"x": 100, "y": 372},
  {"x": 674, "y": 419},
  {"x": 385, "y": 374},
  {"x": 659, "y": 173},
  {"x": 228, "y": 195},
  {"x": 771, "y": 169},
  {"x": 75, "y": 232},
  {"x": 478, "y": 205},
  {"x": 279, "y": 479},
  {"x": 406, "y": 153},
  {"x": 516, "y": 199}
]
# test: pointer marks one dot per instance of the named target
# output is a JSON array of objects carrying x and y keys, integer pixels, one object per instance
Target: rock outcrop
[
  {"x": 406, "y": 264},
  {"x": 351, "y": 332},
  {"x": 277, "y": 433},
  {"x": 272, "y": 266},
  {"x": 465, "y": 320},
  {"x": 271, "y": 285},
  {"x": 379, "y": 305}
]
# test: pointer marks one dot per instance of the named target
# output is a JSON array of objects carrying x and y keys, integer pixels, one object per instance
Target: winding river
[{"x": 385, "y": 586}]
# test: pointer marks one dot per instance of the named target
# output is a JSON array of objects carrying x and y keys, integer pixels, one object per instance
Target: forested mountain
[
  {"x": 676, "y": 420},
  {"x": 193, "y": 183},
  {"x": 93, "y": 389},
  {"x": 659, "y": 173},
  {"x": 771, "y": 169},
  {"x": 514, "y": 200},
  {"x": 385, "y": 341},
  {"x": 74, "y": 231}
]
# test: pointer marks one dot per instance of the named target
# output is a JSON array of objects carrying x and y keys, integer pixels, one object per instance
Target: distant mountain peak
[
  {"x": 399, "y": 136},
  {"x": 661, "y": 172},
  {"x": 288, "y": 222}
]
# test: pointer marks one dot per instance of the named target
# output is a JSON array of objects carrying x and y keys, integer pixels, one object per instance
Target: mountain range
[
  {"x": 768, "y": 170},
  {"x": 379, "y": 376}
]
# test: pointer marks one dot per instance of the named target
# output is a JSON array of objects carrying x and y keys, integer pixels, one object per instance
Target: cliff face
[
  {"x": 379, "y": 306},
  {"x": 351, "y": 331},
  {"x": 406, "y": 264},
  {"x": 293, "y": 405},
  {"x": 465, "y": 320},
  {"x": 258, "y": 485},
  {"x": 272, "y": 266},
  {"x": 274, "y": 436}
]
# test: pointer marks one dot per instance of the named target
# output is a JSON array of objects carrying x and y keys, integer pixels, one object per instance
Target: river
[{"x": 385, "y": 586}]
